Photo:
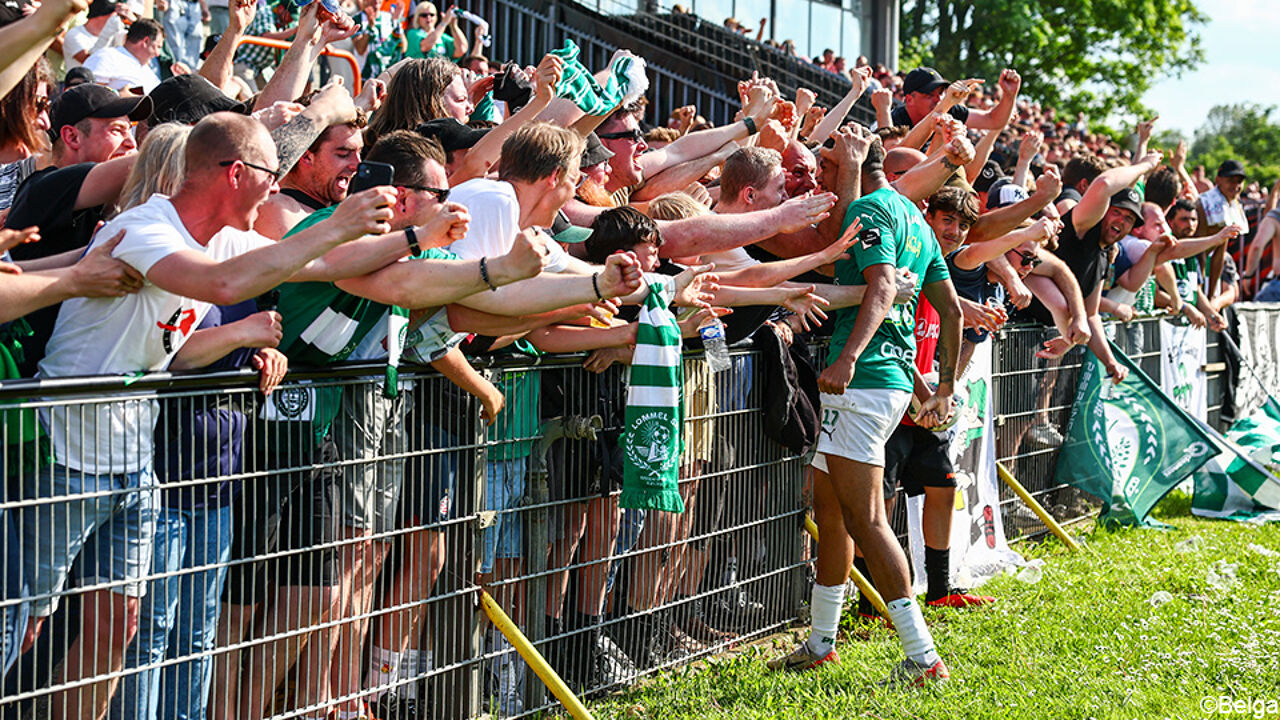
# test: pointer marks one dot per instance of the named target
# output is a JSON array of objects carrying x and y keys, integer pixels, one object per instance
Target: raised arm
[
  {"x": 488, "y": 150},
  {"x": 835, "y": 118},
  {"x": 220, "y": 65},
  {"x": 924, "y": 179},
  {"x": 1027, "y": 149},
  {"x": 681, "y": 176},
  {"x": 291, "y": 76},
  {"x": 1089, "y": 211},
  {"x": 700, "y": 144},
  {"x": 998, "y": 117},
  {"x": 973, "y": 255},
  {"x": 332, "y": 106},
  {"x": 1000, "y": 221},
  {"x": 24, "y": 41}
]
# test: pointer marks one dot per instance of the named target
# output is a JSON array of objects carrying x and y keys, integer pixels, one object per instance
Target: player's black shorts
[{"x": 916, "y": 458}]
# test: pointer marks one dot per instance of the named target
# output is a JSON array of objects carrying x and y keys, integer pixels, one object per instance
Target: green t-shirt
[
  {"x": 518, "y": 420},
  {"x": 893, "y": 232},
  {"x": 442, "y": 49},
  {"x": 324, "y": 325}
]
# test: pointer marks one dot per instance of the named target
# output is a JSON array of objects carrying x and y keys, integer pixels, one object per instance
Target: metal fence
[{"x": 270, "y": 570}]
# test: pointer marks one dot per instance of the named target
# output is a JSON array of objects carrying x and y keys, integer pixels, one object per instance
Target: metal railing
[{"x": 270, "y": 570}]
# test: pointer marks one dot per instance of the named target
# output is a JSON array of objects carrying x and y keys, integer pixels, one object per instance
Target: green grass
[{"x": 1085, "y": 642}]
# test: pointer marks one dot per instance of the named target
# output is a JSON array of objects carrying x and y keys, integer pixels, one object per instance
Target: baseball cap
[
  {"x": 990, "y": 173},
  {"x": 77, "y": 76},
  {"x": 923, "y": 80},
  {"x": 1231, "y": 168},
  {"x": 1129, "y": 199},
  {"x": 563, "y": 231},
  {"x": 187, "y": 98},
  {"x": 595, "y": 152},
  {"x": 96, "y": 101},
  {"x": 1005, "y": 192},
  {"x": 98, "y": 8},
  {"x": 451, "y": 134}
]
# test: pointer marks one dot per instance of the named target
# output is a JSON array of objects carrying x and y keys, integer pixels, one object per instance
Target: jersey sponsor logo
[
  {"x": 906, "y": 356},
  {"x": 926, "y": 330},
  {"x": 176, "y": 328},
  {"x": 870, "y": 237}
]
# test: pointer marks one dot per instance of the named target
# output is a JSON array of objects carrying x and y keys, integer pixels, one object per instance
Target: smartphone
[{"x": 371, "y": 175}]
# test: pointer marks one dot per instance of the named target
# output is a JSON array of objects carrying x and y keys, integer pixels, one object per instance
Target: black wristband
[
  {"x": 595, "y": 285},
  {"x": 412, "y": 237},
  {"x": 484, "y": 274},
  {"x": 751, "y": 125}
]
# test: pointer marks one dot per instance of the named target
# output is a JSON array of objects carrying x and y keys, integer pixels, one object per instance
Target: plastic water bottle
[{"x": 716, "y": 352}]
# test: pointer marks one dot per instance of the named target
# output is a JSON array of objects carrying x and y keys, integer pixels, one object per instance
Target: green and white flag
[
  {"x": 651, "y": 441},
  {"x": 626, "y": 82},
  {"x": 1128, "y": 444},
  {"x": 1244, "y": 482}
]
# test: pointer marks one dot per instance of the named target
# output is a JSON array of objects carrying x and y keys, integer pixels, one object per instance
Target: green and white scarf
[
  {"x": 627, "y": 82},
  {"x": 651, "y": 442}
]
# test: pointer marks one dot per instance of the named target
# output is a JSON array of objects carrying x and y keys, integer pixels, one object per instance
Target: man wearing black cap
[
  {"x": 92, "y": 157},
  {"x": 1109, "y": 210},
  {"x": 457, "y": 140},
  {"x": 1219, "y": 207},
  {"x": 923, "y": 90}
]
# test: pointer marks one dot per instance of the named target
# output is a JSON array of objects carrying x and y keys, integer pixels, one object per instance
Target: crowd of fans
[{"x": 172, "y": 202}]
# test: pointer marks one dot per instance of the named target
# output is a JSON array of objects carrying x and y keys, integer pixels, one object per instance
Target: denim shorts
[
  {"x": 110, "y": 529},
  {"x": 504, "y": 484}
]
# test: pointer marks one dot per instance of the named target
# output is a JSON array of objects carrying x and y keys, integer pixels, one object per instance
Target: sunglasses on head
[{"x": 633, "y": 135}]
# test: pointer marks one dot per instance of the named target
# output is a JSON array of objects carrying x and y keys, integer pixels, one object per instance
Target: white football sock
[
  {"x": 825, "y": 605},
  {"x": 917, "y": 643}
]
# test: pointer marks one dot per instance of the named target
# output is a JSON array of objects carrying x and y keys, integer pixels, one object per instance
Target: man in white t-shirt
[
  {"x": 539, "y": 173},
  {"x": 79, "y": 42},
  {"x": 194, "y": 249},
  {"x": 128, "y": 66}
]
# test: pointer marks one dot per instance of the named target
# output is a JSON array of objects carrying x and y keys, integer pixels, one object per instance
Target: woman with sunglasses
[
  {"x": 24, "y": 131},
  {"x": 427, "y": 37}
]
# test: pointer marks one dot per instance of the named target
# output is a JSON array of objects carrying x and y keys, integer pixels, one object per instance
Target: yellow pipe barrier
[
  {"x": 864, "y": 585},
  {"x": 1036, "y": 507},
  {"x": 530, "y": 654}
]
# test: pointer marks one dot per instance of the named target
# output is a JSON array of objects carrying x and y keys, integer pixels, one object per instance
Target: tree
[
  {"x": 1098, "y": 57},
  {"x": 1244, "y": 132}
]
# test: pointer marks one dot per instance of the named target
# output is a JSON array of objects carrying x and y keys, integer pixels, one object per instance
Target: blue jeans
[
  {"x": 503, "y": 489},
  {"x": 110, "y": 530},
  {"x": 178, "y": 618},
  {"x": 15, "y": 609},
  {"x": 1269, "y": 292},
  {"x": 182, "y": 32}
]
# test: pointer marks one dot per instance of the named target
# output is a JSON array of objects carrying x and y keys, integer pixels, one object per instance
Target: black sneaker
[{"x": 393, "y": 707}]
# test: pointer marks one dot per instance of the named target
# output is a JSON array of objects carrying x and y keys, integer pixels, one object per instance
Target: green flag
[
  {"x": 1127, "y": 444},
  {"x": 651, "y": 441},
  {"x": 1244, "y": 482}
]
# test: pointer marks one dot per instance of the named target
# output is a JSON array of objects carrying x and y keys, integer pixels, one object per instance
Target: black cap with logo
[
  {"x": 96, "y": 101},
  {"x": 922, "y": 80}
]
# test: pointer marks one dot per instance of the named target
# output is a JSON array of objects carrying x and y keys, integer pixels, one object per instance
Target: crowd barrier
[{"x": 271, "y": 544}]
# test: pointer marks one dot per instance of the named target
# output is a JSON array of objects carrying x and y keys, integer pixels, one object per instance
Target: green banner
[
  {"x": 1244, "y": 482},
  {"x": 1128, "y": 444}
]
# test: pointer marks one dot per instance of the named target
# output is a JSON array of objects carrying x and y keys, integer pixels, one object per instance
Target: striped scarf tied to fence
[
  {"x": 626, "y": 82},
  {"x": 651, "y": 442}
]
